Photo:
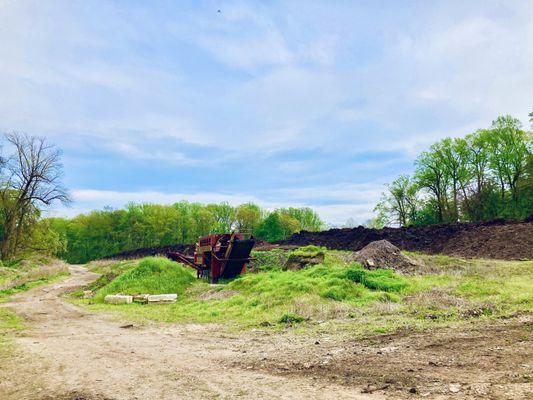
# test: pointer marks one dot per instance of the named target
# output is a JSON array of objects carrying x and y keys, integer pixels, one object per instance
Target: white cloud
[
  {"x": 347, "y": 193},
  {"x": 349, "y": 201}
]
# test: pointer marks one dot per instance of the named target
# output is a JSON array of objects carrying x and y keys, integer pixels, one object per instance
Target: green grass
[
  {"x": 309, "y": 251},
  {"x": 9, "y": 324},
  {"x": 378, "y": 279},
  {"x": 153, "y": 275},
  {"x": 335, "y": 295}
]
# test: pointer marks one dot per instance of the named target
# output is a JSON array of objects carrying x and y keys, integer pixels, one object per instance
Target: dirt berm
[
  {"x": 498, "y": 239},
  {"x": 151, "y": 251}
]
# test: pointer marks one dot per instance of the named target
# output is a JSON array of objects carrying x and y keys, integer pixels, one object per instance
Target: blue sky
[{"x": 281, "y": 103}]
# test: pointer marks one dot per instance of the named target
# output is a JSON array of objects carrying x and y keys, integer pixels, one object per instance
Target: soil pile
[
  {"x": 187, "y": 249},
  {"x": 499, "y": 239},
  {"x": 383, "y": 254}
]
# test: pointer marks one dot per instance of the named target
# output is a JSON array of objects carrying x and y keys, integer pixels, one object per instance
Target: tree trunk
[{"x": 6, "y": 246}]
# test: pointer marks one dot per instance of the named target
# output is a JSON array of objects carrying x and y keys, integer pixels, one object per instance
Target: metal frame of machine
[{"x": 218, "y": 256}]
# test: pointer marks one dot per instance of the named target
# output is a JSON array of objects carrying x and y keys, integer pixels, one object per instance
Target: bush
[
  {"x": 153, "y": 275},
  {"x": 378, "y": 279}
]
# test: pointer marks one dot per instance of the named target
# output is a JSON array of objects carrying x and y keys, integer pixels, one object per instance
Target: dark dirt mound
[
  {"x": 499, "y": 239},
  {"x": 383, "y": 254},
  {"x": 187, "y": 249}
]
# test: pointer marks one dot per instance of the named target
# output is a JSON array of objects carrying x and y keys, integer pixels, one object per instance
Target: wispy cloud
[{"x": 296, "y": 103}]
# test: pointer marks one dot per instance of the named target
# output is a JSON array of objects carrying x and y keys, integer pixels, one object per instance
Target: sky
[{"x": 283, "y": 103}]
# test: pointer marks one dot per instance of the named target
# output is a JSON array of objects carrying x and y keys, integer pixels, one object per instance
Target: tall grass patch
[{"x": 378, "y": 279}]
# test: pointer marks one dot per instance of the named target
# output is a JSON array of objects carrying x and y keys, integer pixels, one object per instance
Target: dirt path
[{"x": 69, "y": 353}]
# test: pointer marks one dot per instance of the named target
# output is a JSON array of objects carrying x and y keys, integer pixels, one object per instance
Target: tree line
[
  {"x": 486, "y": 175},
  {"x": 102, "y": 233}
]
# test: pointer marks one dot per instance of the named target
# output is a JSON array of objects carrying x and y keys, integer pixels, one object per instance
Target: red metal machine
[{"x": 218, "y": 256}]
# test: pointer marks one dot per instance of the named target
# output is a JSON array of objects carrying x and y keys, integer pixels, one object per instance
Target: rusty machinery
[{"x": 218, "y": 256}]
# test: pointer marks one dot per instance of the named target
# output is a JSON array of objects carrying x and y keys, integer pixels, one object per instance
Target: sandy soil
[{"x": 69, "y": 353}]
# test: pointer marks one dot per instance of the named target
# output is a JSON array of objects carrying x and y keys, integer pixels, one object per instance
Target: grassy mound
[
  {"x": 153, "y": 275},
  {"x": 360, "y": 300}
]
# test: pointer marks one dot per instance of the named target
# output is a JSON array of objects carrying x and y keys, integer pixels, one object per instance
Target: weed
[{"x": 26, "y": 275}]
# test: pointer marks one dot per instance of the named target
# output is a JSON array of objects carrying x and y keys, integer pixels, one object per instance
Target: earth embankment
[{"x": 499, "y": 239}]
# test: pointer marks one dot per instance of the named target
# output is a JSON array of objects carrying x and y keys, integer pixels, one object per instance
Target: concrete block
[
  {"x": 118, "y": 299},
  {"x": 162, "y": 298}
]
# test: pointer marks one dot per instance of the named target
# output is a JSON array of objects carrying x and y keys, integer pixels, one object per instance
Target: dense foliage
[
  {"x": 485, "y": 175},
  {"x": 102, "y": 233}
]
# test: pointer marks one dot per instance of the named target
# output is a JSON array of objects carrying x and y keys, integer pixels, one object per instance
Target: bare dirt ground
[{"x": 69, "y": 353}]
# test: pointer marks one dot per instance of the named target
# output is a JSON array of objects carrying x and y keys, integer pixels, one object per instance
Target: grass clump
[
  {"x": 153, "y": 275},
  {"x": 378, "y": 279},
  {"x": 291, "y": 318},
  {"x": 309, "y": 251}
]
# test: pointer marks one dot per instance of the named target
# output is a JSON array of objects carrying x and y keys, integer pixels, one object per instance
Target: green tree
[
  {"x": 509, "y": 149},
  {"x": 432, "y": 175},
  {"x": 247, "y": 217},
  {"x": 399, "y": 204},
  {"x": 224, "y": 216},
  {"x": 306, "y": 218}
]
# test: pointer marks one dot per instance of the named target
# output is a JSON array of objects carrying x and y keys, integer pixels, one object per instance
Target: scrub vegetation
[
  {"x": 20, "y": 275},
  {"x": 446, "y": 290}
]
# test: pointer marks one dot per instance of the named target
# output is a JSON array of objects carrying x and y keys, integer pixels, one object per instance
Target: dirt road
[{"x": 69, "y": 353}]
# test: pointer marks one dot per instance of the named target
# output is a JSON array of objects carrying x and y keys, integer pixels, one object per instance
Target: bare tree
[{"x": 31, "y": 180}]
